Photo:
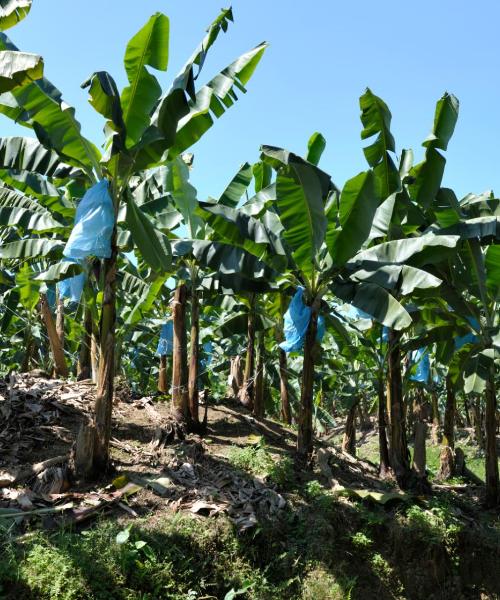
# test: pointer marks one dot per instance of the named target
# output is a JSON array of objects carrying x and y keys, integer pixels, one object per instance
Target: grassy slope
[{"x": 323, "y": 547}]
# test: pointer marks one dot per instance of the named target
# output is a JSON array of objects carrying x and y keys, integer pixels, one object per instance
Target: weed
[
  {"x": 257, "y": 460},
  {"x": 319, "y": 583},
  {"x": 361, "y": 540}
]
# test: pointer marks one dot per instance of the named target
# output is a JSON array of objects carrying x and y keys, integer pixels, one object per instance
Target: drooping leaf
[
  {"x": 492, "y": 265},
  {"x": 477, "y": 371},
  {"x": 39, "y": 105},
  {"x": 18, "y": 68},
  {"x": 104, "y": 97},
  {"x": 27, "y": 219},
  {"x": 301, "y": 192},
  {"x": 400, "y": 251},
  {"x": 376, "y": 301},
  {"x": 62, "y": 270},
  {"x": 153, "y": 245},
  {"x": 27, "y": 154},
  {"x": 32, "y": 247},
  {"x": 224, "y": 258},
  {"x": 13, "y": 11}
]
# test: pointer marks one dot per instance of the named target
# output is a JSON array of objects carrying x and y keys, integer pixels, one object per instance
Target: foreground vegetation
[{"x": 324, "y": 547}]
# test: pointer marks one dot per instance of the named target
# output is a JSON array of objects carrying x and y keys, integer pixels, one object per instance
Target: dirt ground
[{"x": 40, "y": 419}]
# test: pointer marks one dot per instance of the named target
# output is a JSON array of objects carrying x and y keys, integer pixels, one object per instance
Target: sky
[{"x": 322, "y": 56}]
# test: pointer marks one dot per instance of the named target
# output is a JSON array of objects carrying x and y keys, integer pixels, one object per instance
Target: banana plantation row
[{"x": 403, "y": 276}]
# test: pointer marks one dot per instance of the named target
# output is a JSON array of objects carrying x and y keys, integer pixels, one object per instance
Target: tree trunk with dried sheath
[
  {"x": 492, "y": 485},
  {"x": 384, "y": 466},
  {"x": 247, "y": 389},
  {"x": 105, "y": 379},
  {"x": 194, "y": 357},
  {"x": 286, "y": 412},
  {"x": 60, "y": 367},
  {"x": 305, "y": 430},
  {"x": 180, "y": 406},
  {"x": 400, "y": 457},
  {"x": 60, "y": 318},
  {"x": 447, "y": 456},
  {"x": 258, "y": 405},
  {"x": 436, "y": 419},
  {"x": 349, "y": 439},
  {"x": 162, "y": 375},
  {"x": 420, "y": 428},
  {"x": 84, "y": 368}
]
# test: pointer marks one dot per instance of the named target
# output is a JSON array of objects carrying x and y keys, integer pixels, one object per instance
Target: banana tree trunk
[
  {"x": 29, "y": 346},
  {"x": 436, "y": 419},
  {"x": 286, "y": 413},
  {"x": 467, "y": 412},
  {"x": 247, "y": 389},
  {"x": 194, "y": 357},
  {"x": 60, "y": 367},
  {"x": 83, "y": 367},
  {"x": 105, "y": 377},
  {"x": 492, "y": 483},
  {"x": 258, "y": 405},
  {"x": 162, "y": 375},
  {"x": 478, "y": 422},
  {"x": 305, "y": 430},
  {"x": 447, "y": 455},
  {"x": 60, "y": 318},
  {"x": 349, "y": 439},
  {"x": 180, "y": 407},
  {"x": 399, "y": 446},
  {"x": 419, "y": 450},
  {"x": 384, "y": 466},
  {"x": 235, "y": 376},
  {"x": 94, "y": 356}
]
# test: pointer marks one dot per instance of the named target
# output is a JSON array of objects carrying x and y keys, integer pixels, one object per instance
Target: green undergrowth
[
  {"x": 474, "y": 458},
  {"x": 323, "y": 548},
  {"x": 257, "y": 460}
]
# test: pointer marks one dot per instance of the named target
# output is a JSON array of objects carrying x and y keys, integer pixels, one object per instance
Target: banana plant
[
  {"x": 401, "y": 249},
  {"x": 144, "y": 128},
  {"x": 473, "y": 291}
]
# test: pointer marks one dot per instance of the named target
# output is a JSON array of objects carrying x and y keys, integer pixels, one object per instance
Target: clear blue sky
[{"x": 323, "y": 54}]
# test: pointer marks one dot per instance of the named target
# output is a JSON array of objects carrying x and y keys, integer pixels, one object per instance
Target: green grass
[
  {"x": 322, "y": 547},
  {"x": 258, "y": 460},
  {"x": 473, "y": 460}
]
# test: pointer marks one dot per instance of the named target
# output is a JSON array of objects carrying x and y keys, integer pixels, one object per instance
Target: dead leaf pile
[
  {"x": 210, "y": 487},
  {"x": 30, "y": 415}
]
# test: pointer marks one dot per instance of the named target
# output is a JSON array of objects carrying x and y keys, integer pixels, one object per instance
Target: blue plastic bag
[
  {"x": 420, "y": 358},
  {"x": 166, "y": 343},
  {"x": 356, "y": 313},
  {"x": 72, "y": 287},
  {"x": 297, "y": 319},
  {"x": 94, "y": 223},
  {"x": 208, "y": 349},
  {"x": 51, "y": 296},
  {"x": 468, "y": 338}
]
